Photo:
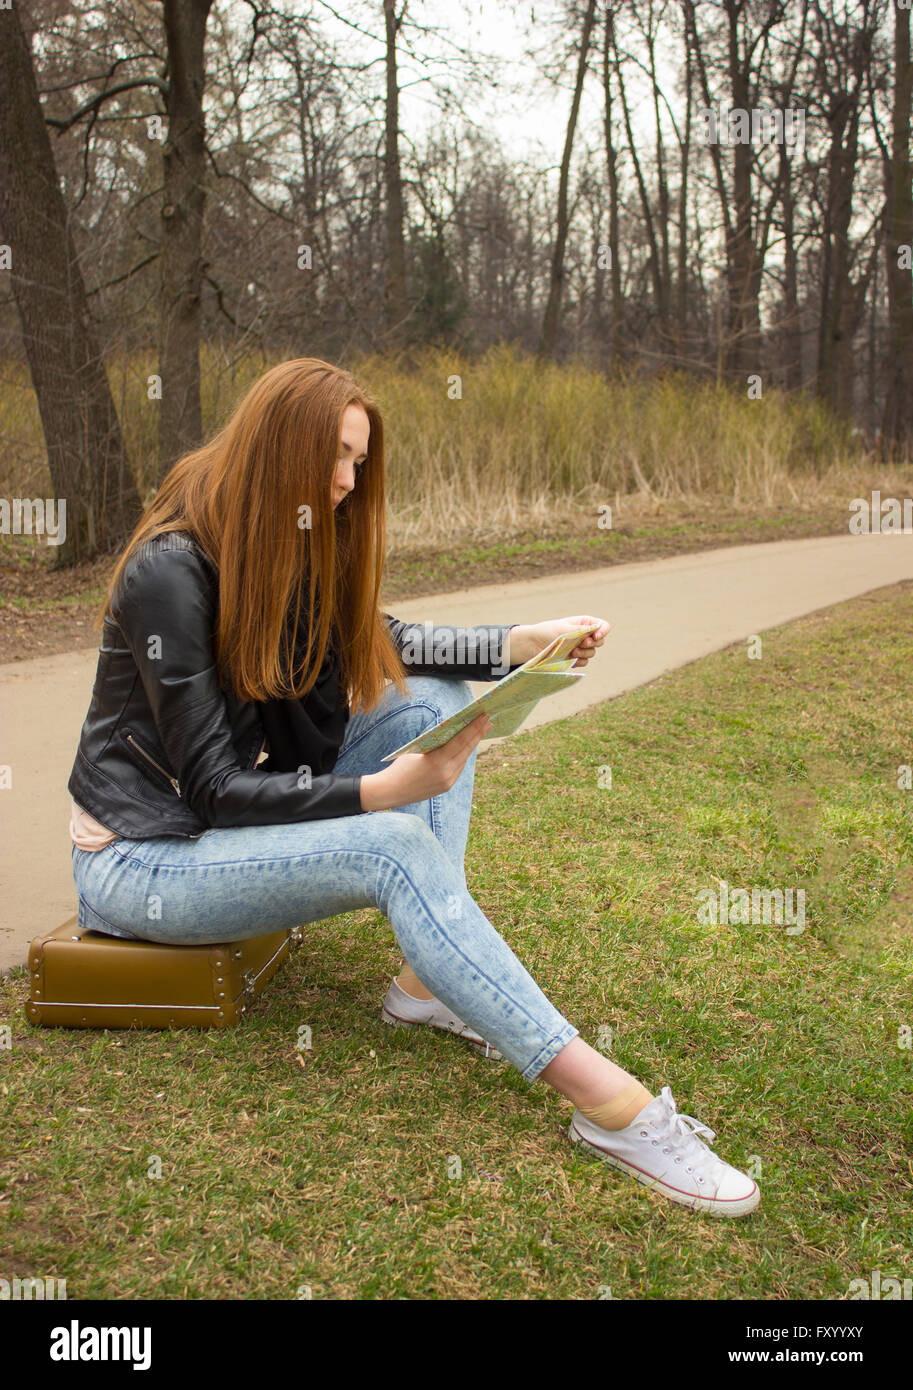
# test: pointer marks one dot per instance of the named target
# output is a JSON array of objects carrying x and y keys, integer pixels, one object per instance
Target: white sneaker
[
  {"x": 661, "y": 1149},
  {"x": 403, "y": 1011}
]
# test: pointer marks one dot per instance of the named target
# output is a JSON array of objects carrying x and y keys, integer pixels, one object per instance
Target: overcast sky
[{"x": 526, "y": 113}]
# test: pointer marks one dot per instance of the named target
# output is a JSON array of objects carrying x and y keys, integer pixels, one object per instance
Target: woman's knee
[
  {"x": 446, "y": 694},
  {"x": 408, "y": 839}
]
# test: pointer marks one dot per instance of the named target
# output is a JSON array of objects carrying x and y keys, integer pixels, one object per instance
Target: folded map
[{"x": 508, "y": 703}]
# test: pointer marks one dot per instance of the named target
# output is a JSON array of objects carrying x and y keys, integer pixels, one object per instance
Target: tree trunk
[
  {"x": 897, "y": 427},
  {"x": 791, "y": 325},
  {"x": 836, "y": 251},
  {"x": 616, "y": 343},
  {"x": 839, "y": 313},
  {"x": 86, "y": 454},
  {"x": 183, "y": 202},
  {"x": 649, "y": 222},
  {"x": 743, "y": 272},
  {"x": 549, "y": 336},
  {"x": 681, "y": 308},
  {"x": 662, "y": 186},
  {"x": 396, "y": 300}
]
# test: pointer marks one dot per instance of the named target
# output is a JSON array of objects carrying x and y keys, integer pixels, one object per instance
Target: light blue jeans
[{"x": 244, "y": 881}]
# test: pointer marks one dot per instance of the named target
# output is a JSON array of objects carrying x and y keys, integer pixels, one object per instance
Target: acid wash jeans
[{"x": 243, "y": 881}]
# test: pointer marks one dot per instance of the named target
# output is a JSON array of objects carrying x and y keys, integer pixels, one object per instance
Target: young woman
[{"x": 229, "y": 777}]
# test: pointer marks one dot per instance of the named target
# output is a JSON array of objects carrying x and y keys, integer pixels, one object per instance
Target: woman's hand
[
  {"x": 528, "y": 641},
  {"x": 417, "y": 776}
]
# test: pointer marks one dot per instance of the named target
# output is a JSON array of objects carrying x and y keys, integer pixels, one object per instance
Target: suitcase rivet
[
  {"x": 221, "y": 994},
  {"x": 237, "y": 954},
  {"x": 37, "y": 992},
  {"x": 220, "y": 979}
]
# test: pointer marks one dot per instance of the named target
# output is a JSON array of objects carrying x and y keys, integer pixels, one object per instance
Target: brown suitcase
[{"x": 84, "y": 979}]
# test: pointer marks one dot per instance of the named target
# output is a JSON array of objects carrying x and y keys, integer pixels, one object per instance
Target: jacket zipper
[
  {"x": 173, "y": 780},
  {"x": 150, "y": 759}
]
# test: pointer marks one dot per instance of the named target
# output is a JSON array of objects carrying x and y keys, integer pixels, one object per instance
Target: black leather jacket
[{"x": 164, "y": 750}]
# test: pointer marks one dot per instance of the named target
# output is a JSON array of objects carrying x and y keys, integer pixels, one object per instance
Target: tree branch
[{"x": 93, "y": 105}]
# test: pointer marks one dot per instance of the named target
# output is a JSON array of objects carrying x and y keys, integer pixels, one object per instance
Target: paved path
[{"x": 664, "y": 614}]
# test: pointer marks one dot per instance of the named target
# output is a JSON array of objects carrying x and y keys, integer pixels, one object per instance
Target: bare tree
[
  {"x": 653, "y": 234},
  {"x": 183, "y": 201},
  {"x": 86, "y": 454},
  {"x": 844, "y": 50},
  {"x": 614, "y": 245},
  {"x": 684, "y": 156},
  {"x": 396, "y": 299},
  {"x": 897, "y": 427},
  {"x": 549, "y": 336}
]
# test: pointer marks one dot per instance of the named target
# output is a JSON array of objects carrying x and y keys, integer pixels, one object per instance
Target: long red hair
[{"x": 258, "y": 499}]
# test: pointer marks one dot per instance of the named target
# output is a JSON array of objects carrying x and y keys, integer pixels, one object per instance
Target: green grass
[{"x": 328, "y": 1168}]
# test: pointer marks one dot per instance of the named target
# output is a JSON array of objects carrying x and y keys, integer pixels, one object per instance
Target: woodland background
[{"x": 193, "y": 190}]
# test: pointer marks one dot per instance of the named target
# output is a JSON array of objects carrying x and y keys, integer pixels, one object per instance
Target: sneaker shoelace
[{"x": 679, "y": 1132}]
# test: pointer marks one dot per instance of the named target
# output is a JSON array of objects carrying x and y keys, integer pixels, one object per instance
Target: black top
[{"x": 308, "y": 731}]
